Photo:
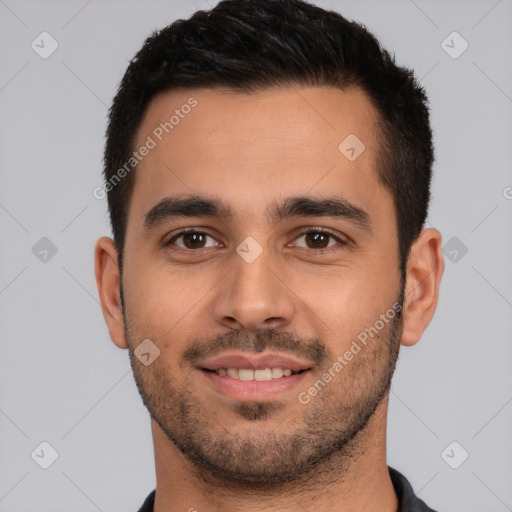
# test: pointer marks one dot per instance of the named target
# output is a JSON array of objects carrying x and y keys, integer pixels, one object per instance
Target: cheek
[
  {"x": 347, "y": 302},
  {"x": 168, "y": 304},
  {"x": 156, "y": 299}
]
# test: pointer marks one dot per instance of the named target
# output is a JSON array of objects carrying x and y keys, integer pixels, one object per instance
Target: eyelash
[{"x": 306, "y": 231}]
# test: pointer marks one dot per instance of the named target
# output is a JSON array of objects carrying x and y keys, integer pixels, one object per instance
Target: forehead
[
  {"x": 253, "y": 148},
  {"x": 209, "y": 117}
]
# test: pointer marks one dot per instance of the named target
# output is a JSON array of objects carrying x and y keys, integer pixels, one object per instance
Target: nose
[{"x": 254, "y": 296}]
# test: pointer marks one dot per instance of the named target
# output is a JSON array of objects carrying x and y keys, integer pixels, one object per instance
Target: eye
[
  {"x": 319, "y": 240},
  {"x": 191, "y": 239}
]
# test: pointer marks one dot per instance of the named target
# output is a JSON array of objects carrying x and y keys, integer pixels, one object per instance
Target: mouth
[
  {"x": 255, "y": 390},
  {"x": 259, "y": 375},
  {"x": 249, "y": 376}
]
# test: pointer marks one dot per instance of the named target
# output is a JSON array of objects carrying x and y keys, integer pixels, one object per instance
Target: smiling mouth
[{"x": 249, "y": 374}]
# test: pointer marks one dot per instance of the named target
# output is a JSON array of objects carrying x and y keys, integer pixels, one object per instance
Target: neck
[{"x": 337, "y": 484}]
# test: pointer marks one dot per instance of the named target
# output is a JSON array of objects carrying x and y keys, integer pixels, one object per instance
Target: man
[{"x": 268, "y": 173}]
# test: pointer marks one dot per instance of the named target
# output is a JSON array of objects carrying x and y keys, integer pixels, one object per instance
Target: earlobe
[
  {"x": 425, "y": 267},
  {"x": 108, "y": 281}
]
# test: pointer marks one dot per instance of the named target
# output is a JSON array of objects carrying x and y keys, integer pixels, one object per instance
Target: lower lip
[{"x": 253, "y": 389}]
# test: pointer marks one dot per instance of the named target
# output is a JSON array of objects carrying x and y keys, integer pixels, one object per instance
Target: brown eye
[
  {"x": 191, "y": 240},
  {"x": 319, "y": 240}
]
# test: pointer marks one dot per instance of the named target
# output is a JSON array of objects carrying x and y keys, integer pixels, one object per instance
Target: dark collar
[{"x": 408, "y": 501}]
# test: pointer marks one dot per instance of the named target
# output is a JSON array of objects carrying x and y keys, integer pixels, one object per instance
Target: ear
[
  {"x": 425, "y": 266},
  {"x": 108, "y": 280}
]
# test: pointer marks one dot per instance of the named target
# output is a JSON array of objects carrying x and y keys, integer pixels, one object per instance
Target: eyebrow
[{"x": 301, "y": 206}]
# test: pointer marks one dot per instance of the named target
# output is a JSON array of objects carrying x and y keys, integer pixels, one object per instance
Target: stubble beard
[{"x": 325, "y": 437}]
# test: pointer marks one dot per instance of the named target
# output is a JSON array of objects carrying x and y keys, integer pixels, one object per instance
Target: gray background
[{"x": 62, "y": 379}]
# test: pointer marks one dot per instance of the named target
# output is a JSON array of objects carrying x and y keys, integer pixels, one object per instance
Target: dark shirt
[{"x": 407, "y": 500}]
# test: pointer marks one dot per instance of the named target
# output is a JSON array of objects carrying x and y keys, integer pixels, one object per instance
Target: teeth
[
  {"x": 277, "y": 373},
  {"x": 244, "y": 374},
  {"x": 233, "y": 373},
  {"x": 249, "y": 374},
  {"x": 263, "y": 374}
]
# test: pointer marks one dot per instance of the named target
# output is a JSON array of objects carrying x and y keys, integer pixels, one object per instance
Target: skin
[{"x": 213, "y": 452}]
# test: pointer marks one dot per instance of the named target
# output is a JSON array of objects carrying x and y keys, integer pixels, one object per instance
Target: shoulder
[
  {"x": 408, "y": 501},
  {"x": 149, "y": 503}
]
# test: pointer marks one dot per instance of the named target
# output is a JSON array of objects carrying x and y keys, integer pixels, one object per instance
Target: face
[{"x": 291, "y": 250}]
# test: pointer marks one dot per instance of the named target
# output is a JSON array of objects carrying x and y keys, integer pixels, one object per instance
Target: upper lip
[{"x": 255, "y": 362}]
